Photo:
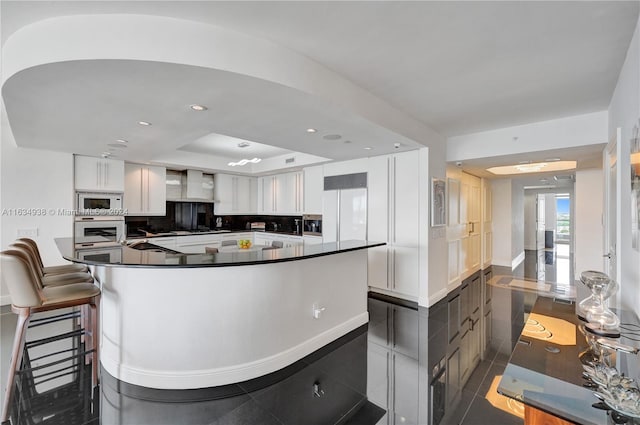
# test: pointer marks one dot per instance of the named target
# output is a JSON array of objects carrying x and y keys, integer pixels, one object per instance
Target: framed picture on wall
[{"x": 438, "y": 202}]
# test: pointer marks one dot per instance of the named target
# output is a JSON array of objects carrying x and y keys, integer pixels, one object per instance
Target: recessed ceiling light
[
  {"x": 311, "y": 130},
  {"x": 117, "y": 145},
  {"x": 535, "y": 167},
  {"x": 145, "y": 123},
  {"x": 332, "y": 137},
  {"x": 368, "y": 148},
  {"x": 106, "y": 154},
  {"x": 244, "y": 144},
  {"x": 197, "y": 107},
  {"x": 122, "y": 141}
]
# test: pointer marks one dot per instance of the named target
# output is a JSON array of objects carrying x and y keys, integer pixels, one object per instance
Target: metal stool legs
[{"x": 16, "y": 360}]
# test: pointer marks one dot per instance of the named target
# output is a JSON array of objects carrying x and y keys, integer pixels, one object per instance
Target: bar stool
[
  {"x": 65, "y": 268},
  {"x": 277, "y": 244},
  {"x": 210, "y": 250},
  {"x": 29, "y": 296},
  {"x": 229, "y": 243},
  {"x": 54, "y": 279}
]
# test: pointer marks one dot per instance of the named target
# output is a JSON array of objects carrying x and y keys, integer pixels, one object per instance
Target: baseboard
[
  {"x": 438, "y": 296},
  {"x": 516, "y": 261}
]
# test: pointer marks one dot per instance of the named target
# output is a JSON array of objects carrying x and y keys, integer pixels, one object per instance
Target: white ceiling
[
  {"x": 230, "y": 147},
  {"x": 458, "y": 67}
]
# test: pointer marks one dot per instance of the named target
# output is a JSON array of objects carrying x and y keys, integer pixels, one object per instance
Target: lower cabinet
[
  {"x": 266, "y": 239},
  {"x": 394, "y": 269},
  {"x": 196, "y": 244}
]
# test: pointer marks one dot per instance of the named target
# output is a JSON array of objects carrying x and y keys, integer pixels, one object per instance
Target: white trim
[
  {"x": 228, "y": 375},
  {"x": 516, "y": 261},
  {"x": 393, "y": 294},
  {"x": 434, "y": 298}
]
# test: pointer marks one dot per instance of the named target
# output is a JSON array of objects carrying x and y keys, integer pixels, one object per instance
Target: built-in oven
[
  {"x": 99, "y": 231},
  {"x": 108, "y": 255},
  {"x": 98, "y": 204},
  {"x": 312, "y": 225}
]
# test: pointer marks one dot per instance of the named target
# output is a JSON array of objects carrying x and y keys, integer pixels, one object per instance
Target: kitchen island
[{"x": 181, "y": 321}]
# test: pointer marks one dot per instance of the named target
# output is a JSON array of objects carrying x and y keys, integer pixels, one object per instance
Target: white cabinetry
[
  {"x": 312, "y": 240},
  {"x": 393, "y": 218},
  {"x": 235, "y": 194},
  {"x": 266, "y": 239},
  {"x": 281, "y": 194},
  {"x": 196, "y": 244},
  {"x": 313, "y": 189},
  {"x": 98, "y": 174},
  {"x": 145, "y": 190}
]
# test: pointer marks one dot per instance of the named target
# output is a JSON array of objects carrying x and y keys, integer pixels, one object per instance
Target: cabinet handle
[{"x": 393, "y": 281}]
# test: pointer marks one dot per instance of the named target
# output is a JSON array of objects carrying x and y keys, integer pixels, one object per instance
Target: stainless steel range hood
[{"x": 189, "y": 186}]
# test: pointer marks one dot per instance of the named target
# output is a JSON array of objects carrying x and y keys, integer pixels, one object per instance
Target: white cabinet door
[
  {"x": 156, "y": 190},
  {"x": 268, "y": 194},
  {"x": 312, "y": 240},
  {"x": 285, "y": 191},
  {"x": 406, "y": 175},
  {"x": 133, "y": 189},
  {"x": 145, "y": 190},
  {"x": 223, "y": 193},
  {"x": 246, "y": 189},
  {"x": 378, "y": 220},
  {"x": 313, "y": 188},
  {"x": 98, "y": 174},
  {"x": 405, "y": 270}
]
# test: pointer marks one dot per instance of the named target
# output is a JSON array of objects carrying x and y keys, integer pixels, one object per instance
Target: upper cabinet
[
  {"x": 281, "y": 194},
  {"x": 235, "y": 194},
  {"x": 98, "y": 174},
  {"x": 145, "y": 190},
  {"x": 313, "y": 189}
]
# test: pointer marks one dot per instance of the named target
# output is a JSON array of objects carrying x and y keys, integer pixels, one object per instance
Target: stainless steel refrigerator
[{"x": 344, "y": 206}]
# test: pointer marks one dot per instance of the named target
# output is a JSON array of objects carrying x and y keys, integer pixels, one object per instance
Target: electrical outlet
[{"x": 28, "y": 233}]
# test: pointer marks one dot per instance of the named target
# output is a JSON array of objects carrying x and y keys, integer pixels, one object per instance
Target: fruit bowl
[{"x": 244, "y": 244}]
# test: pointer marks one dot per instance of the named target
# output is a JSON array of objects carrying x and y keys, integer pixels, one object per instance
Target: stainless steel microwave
[
  {"x": 99, "y": 204},
  {"x": 99, "y": 231}
]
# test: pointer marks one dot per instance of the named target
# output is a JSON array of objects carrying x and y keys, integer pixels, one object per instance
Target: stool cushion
[
  {"x": 65, "y": 279},
  {"x": 74, "y": 291}
]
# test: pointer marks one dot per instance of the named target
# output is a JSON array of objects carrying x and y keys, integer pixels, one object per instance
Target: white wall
[
  {"x": 501, "y": 226},
  {"x": 37, "y": 179},
  {"x": 517, "y": 221},
  {"x": 624, "y": 112},
  {"x": 588, "y": 227},
  {"x": 567, "y": 132}
]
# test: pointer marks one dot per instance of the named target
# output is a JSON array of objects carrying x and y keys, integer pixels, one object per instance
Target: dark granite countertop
[
  {"x": 545, "y": 371},
  {"x": 175, "y": 233},
  {"x": 125, "y": 256}
]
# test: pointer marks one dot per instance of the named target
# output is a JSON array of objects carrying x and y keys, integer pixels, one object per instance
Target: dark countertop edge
[
  {"x": 232, "y": 264},
  {"x": 217, "y": 232}
]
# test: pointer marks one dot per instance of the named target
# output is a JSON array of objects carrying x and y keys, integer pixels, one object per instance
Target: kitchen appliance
[
  {"x": 312, "y": 225},
  {"x": 257, "y": 226},
  {"x": 110, "y": 255},
  {"x": 97, "y": 204},
  {"x": 99, "y": 231},
  {"x": 345, "y": 208}
]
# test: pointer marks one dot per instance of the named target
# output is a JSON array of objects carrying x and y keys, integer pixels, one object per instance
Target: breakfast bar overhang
[{"x": 185, "y": 321}]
